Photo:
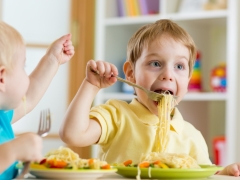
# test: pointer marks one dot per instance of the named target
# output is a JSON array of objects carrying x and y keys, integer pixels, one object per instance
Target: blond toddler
[{"x": 15, "y": 84}]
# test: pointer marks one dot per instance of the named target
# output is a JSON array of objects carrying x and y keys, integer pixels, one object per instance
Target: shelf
[
  {"x": 209, "y": 96},
  {"x": 207, "y": 16}
]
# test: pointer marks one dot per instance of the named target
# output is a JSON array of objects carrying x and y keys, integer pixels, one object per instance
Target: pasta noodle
[
  {"x": 138, "y": 177},
  {"x": 24, "y": 99},
  {"x": 165, "y": 106}
]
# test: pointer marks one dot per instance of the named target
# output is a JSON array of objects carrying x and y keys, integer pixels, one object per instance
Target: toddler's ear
[
  {"x": 129, "y": 71},
  {"x": 2, "y": 78}
]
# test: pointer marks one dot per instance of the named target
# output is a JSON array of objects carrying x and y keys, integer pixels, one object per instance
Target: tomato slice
[
  {"x": 56, "y": 164},
  {"x": 43, "y": 161}
]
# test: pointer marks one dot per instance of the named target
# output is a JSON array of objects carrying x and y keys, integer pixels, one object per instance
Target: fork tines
[{"x": 45, "y": 122}]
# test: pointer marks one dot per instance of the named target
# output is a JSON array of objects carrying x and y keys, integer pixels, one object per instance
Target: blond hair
[
  {"x": 10, "y": 41},
  {"x": 148, "y": 33}
]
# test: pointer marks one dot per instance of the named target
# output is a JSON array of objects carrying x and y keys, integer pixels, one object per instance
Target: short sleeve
[
  {"x": 106, "y": 115},
  {"x": 6, "y": 132},
  {"x": 9, "y": 115}
]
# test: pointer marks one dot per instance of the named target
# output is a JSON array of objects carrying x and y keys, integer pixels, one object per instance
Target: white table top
[
  {"x": 118, "y": 177},
  {"x": 214, "y": 177}
]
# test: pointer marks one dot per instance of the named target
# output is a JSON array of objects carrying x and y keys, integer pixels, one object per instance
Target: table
[
  {"x": 115, "y": 176},
  {"x": 214, "y": 177}
]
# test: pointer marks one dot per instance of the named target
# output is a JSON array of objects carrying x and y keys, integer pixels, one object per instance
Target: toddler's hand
[
  {"x": 61, "y": 50},
  {"x": 105, "y": 73},
  {"x": 231, "y": 170},
  {"x": 28, "y": 147}
]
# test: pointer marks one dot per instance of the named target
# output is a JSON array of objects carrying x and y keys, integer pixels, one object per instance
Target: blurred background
[{"x": 101, "y": 29}]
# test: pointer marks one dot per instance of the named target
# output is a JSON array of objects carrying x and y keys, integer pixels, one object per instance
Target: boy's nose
[{"x": 166, "y": 75}]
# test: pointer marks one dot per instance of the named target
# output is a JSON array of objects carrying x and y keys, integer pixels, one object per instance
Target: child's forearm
[
  {"x": 40, "y": 79},
  {"x": 76, "y": 124},
  {"x": 7, "y": 156}
]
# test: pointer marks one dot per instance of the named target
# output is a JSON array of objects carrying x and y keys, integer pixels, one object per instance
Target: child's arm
[
  {"x": 58, "y": 53},
  {"x": 231, "y": 170},
  {"x": 27, "y": 147},
  {"x": 77, "y": 129}
]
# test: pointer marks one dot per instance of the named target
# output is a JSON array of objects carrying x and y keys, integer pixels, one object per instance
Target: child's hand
[
  {"x": 231, "y": 170},
  {"x": 105, "y": 73},
  {"x": 61, "y": 50},
  {"x": 27, "y": 147}
]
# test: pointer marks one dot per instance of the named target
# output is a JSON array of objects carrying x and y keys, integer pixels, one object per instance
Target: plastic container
[{"x": 219, "y": 148}]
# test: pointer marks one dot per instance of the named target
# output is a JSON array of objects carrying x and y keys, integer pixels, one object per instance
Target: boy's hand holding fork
[{"x": 105, "y": 75}]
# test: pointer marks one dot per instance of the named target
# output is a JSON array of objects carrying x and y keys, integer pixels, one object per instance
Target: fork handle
[
  {"x": 130, "y": 83},
  {"x": 124, "y": 80},
  {"x": 24, "y": 171}
]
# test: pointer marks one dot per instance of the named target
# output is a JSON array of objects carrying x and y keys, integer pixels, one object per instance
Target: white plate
[{"x": 69, "y": 173}]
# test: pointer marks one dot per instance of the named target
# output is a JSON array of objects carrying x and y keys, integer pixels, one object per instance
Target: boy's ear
[
  {"x": 2, "y": 78},
  {"x": 129, "y": 71}
]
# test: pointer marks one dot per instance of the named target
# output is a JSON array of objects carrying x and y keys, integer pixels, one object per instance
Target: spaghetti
[
  {"x": 172, "y": 160},
  {"x": 24, "y": 99},
  {"x": 64, "y": 154},
  {"x": 64, "y": 157},
  {"x": 165, "y": 106}
]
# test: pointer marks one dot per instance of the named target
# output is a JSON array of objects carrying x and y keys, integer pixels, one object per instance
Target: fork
[
  {"x": 43, "y": 130},
  {"x": 151, "y": 94}
]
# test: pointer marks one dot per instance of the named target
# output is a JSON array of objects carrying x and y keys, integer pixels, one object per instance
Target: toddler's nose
[{"x": 166, "y": 74}]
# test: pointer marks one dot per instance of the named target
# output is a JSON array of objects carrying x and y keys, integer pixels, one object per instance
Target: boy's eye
[
  {"x": 155, "y": 63},
  {"x": 179, "y": 66}
]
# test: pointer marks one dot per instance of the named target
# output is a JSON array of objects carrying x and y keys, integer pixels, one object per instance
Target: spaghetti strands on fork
[{"x": 165, "y": 106}]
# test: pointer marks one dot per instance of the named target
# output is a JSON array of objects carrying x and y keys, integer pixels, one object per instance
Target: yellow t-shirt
[{"x": 128, "y": 130}]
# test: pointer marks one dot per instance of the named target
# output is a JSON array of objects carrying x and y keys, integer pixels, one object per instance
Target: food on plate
[
  {"x": 164, "y": 161},
  {"x": 65, "y": 158},
  {"x": 155, "y": 160},
  {"x": 172, "y": 160}
]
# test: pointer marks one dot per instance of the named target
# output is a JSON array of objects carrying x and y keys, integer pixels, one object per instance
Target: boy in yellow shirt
[
  {"x": 16, "y": 84},
  {"x": 160, "y": 57}
]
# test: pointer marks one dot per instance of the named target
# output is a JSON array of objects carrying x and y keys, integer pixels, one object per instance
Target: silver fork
[
  {"x": 43, "y": 130},
  {"x": 151, "y": 94}
]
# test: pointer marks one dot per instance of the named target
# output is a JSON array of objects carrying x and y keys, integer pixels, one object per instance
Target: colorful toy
[
  {"x": 219, "y": 150},
  {"x": 218, "y": 78},
  {"x": 195, "y": 81}
]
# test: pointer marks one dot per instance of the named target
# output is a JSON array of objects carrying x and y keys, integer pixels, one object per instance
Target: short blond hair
[
  {"x": 10, "y": 41},
  {"x": 148, "y": 33}
]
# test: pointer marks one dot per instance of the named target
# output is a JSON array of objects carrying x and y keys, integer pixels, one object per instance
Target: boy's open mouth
[{"x": 161, "y": 91}]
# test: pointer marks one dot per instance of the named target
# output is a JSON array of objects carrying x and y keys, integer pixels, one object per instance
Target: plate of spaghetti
[
  {"x": 63, "y": 163},
  {"x": 171, "y": 173},
  {"x": 166, "y": 166},
  {"x": 69, "y": 174}
]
